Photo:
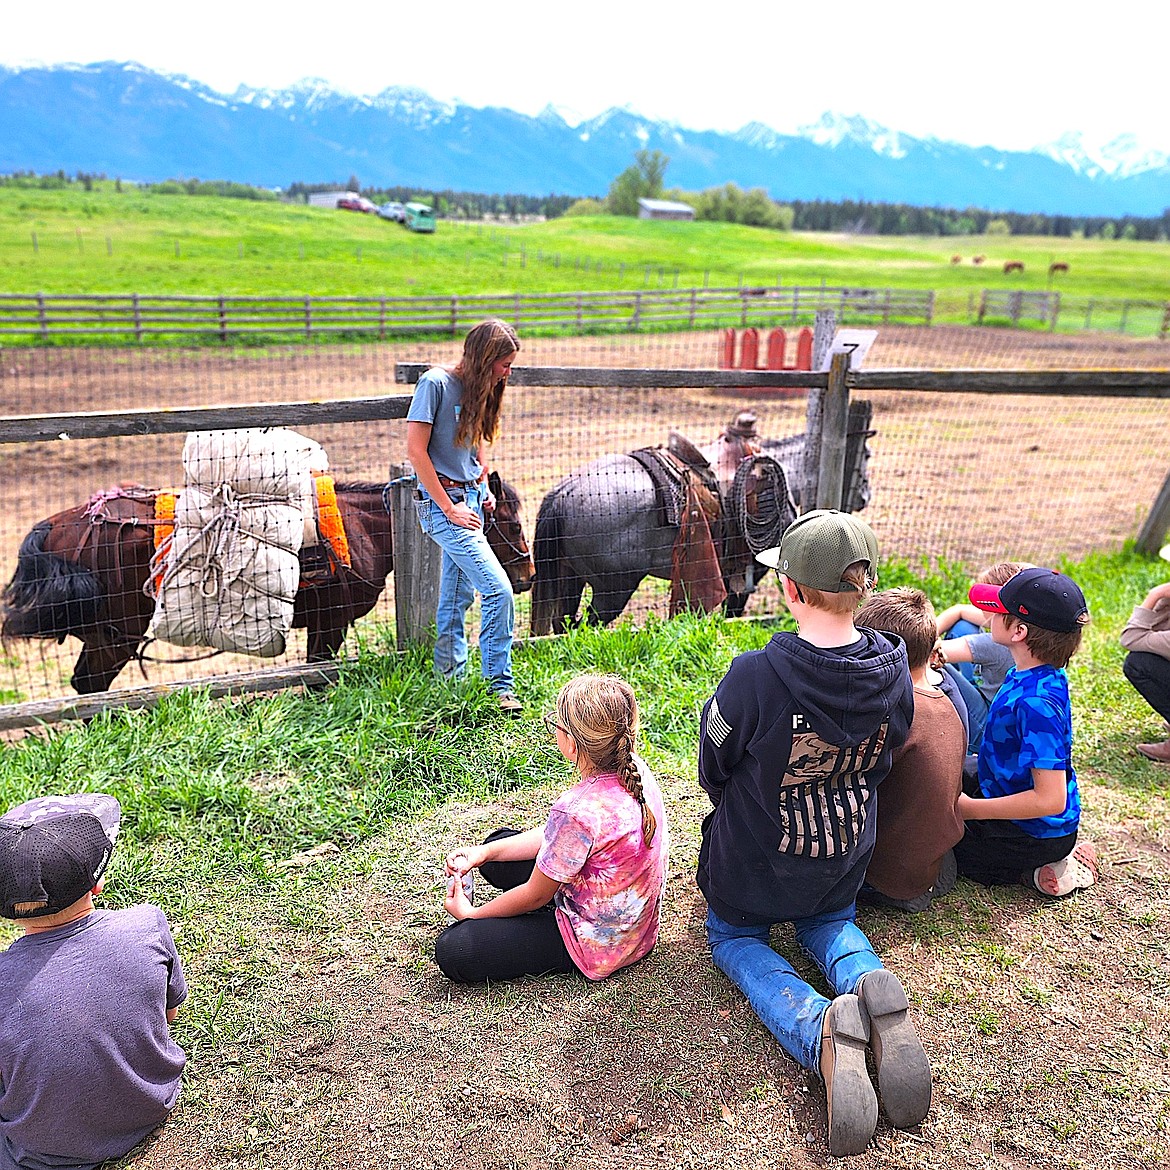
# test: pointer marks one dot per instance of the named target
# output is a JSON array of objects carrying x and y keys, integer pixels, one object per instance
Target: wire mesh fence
[{"x": 953, "y": 477}]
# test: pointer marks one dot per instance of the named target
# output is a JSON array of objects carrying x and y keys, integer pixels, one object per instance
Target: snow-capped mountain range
[{"x": 122, "y": 119}]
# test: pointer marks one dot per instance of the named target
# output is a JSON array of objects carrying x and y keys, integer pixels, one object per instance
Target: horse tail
[
  {"x": 556, "y": 590},
  {"x": 48, "y": 596}
]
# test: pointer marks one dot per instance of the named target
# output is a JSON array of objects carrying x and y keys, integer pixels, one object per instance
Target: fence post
[
  {"x": 417, "y": 562},
  {"x": 1124, "y": 316},
  {"x": 454, "y": 314},
  {"x": 824, "y": 327},
  {"x": 41, "y": 316},
  {"x": 382, "y": 319},
  {"x": 308, "y": 317},
  {"x": 137, "y": 319},
  {"x": 930, "y": 307},
  {"x": 222, "y": 320},
  {"x": 637, "y": 310},
  {"x": 691, "y": 322},
  {"x": 1055, "y": 312},
  {"x": 834, "y": 425},
  {"x": 1165, "y": 323}
]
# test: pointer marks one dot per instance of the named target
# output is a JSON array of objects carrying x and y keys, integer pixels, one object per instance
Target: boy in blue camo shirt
[{"x": 1023, "y": 810}]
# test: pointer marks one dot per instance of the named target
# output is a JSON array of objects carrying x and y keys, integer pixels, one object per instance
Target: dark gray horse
[{"x": 603, "y": 526}]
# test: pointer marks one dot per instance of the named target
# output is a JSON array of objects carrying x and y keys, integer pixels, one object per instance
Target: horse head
[{"x": 504, "y": 529}]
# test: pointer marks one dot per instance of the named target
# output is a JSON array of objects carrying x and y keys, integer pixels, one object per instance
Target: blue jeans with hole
[
  {"x": 790, "y": 1009},
  {"x": 469, "y": 567}
]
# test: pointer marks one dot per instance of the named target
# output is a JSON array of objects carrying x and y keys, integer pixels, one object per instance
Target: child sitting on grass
[
  {"x": 1023, "y": 812},
  {"x": 917, "y": 818},
  {"x": 792, "y": 748},
  {"x": 87, "y": 1064},
  {"x": 585, "y": 892},
  {"x": 976, "y": 664}
]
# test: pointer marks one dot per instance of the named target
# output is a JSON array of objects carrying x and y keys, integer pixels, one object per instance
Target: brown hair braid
[
  {"x": 600, "y": 712},
  {"x": 486, "y": 344}
]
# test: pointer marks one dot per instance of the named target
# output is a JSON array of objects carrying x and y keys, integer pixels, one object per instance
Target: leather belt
[{"x": 455, "y": 483}]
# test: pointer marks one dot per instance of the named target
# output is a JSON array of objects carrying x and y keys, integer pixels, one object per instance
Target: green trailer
[{"x": 420, "y": 217}]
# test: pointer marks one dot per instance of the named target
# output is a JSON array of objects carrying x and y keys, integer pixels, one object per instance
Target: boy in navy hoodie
[{"x": 792, "y": 747}]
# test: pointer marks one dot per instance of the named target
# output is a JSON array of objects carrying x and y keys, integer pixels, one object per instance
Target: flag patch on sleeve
[{"x": 718, "y": 729}]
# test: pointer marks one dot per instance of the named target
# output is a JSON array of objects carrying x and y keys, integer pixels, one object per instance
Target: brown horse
[{"x": 82, "y": 572}]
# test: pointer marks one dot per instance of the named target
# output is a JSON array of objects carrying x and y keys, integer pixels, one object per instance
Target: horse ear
[{"x": 494, "y": 484}]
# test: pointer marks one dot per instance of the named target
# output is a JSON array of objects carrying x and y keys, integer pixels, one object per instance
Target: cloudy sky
[{"x": 1011, "y": 75}]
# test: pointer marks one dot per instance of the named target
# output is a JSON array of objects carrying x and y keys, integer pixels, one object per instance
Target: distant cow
[
  {"x": 978, "y": 259},
  {"x": 1059, "y": 266},
  {"x": 1013, "y": 266},
  {"x": 956, "y": 259}
]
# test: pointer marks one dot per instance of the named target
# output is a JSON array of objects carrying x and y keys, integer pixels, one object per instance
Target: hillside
[{"x": 137, "y": 240}]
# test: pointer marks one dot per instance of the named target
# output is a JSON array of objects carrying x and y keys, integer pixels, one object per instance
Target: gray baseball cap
[
  {"x": 819, "y": 546},
  {"x": 54, "y": 850}
]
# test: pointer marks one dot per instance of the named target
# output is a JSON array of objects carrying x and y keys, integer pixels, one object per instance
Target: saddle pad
[{"x": 329, "y": 522}]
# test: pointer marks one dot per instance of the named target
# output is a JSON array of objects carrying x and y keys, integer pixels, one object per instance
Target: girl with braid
[{"x": 583, "y": 893}]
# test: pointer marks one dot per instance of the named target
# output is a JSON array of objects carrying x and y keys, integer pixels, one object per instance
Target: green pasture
[{"x": 73, "y": 241}]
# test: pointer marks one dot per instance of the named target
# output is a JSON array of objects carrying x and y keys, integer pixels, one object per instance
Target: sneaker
[
  {"x": 903, "y": 1069},
  {"x": 510, "y": 705},
  {"x": 1158, "y": 752},
  {"x": 850, "y": 1096},
  {"x": 1077, "y": 871}
]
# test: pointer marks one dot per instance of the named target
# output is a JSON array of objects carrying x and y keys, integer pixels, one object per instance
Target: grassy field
[
  {"x": 318, "y": 1027},
  {"x": 141, "y": 241}
]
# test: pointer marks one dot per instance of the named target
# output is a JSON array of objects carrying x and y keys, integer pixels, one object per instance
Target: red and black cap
[{"x": 1039, "y": 597}]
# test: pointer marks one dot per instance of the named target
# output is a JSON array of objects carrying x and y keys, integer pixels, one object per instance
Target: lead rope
[{"x": 774, "y": 506}]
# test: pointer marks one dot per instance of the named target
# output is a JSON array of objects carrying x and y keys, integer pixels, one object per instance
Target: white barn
[{"x": 664, "y": 209}]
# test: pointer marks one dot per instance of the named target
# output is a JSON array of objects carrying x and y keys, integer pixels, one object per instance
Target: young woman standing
[{"x": 453, "y": 417}]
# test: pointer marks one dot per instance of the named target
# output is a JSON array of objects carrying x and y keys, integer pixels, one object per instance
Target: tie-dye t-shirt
[{"x": 610, "y": 902}]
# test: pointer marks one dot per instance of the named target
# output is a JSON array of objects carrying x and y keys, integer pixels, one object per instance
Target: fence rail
[{"x": 45, "y": 317}]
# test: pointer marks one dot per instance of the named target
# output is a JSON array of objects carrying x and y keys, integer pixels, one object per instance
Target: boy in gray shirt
[{"x": 87, "y": 1064}]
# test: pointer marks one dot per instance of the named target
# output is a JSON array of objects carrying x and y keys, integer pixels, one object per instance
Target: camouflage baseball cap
[
  {"x": 54, "y": 850},
  {"x": 819, "y": 546}
]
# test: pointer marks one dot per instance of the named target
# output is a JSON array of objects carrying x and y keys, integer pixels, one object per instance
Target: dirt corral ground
[
  {"x": 964, "y": 478},
  {"x": 1046, "y": 1027}
]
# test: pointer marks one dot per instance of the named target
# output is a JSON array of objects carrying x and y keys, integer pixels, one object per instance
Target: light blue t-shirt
[
  {"x": 992, "y": 663},
  {"x": 1030, "y": 726},
  {"x": 438, "y": 400}
]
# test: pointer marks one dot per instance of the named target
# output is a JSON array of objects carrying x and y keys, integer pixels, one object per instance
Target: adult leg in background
[{"x": 1150, "y": 675}]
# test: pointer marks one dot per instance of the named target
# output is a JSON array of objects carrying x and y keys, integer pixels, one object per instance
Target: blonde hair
[
  {"x": 907, "y": 612},
  {"x": 860, "y": 583},
  {"x": 600, "y": 712},
  {"x": 1001, "y": 572},
  {"x": 486, "y": 344}
]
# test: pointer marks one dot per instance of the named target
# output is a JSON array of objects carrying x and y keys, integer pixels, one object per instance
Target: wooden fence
[
  {"x": 46, "y": 318},
  {"x": 836, "y": 385}
]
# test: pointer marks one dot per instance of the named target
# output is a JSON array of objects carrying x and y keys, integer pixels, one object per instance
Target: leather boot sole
[
  {"x": 902, "y": 1065},
  {"x": 852, "y": 1105}
]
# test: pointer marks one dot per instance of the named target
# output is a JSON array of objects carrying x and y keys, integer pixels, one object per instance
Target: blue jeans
[
  {"x": 792, "y": 1011},
  {"x": 469, "y": 566}
]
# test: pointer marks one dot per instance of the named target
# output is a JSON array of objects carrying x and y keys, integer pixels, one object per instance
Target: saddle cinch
[{"x": 688, "y": 498}]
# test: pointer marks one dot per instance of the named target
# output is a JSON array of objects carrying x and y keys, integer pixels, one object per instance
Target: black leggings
[{"x": 484, "y": 950}]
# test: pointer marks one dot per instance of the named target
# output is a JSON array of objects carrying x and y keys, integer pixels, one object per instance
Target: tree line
[{"x": 446, "y": 202}]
